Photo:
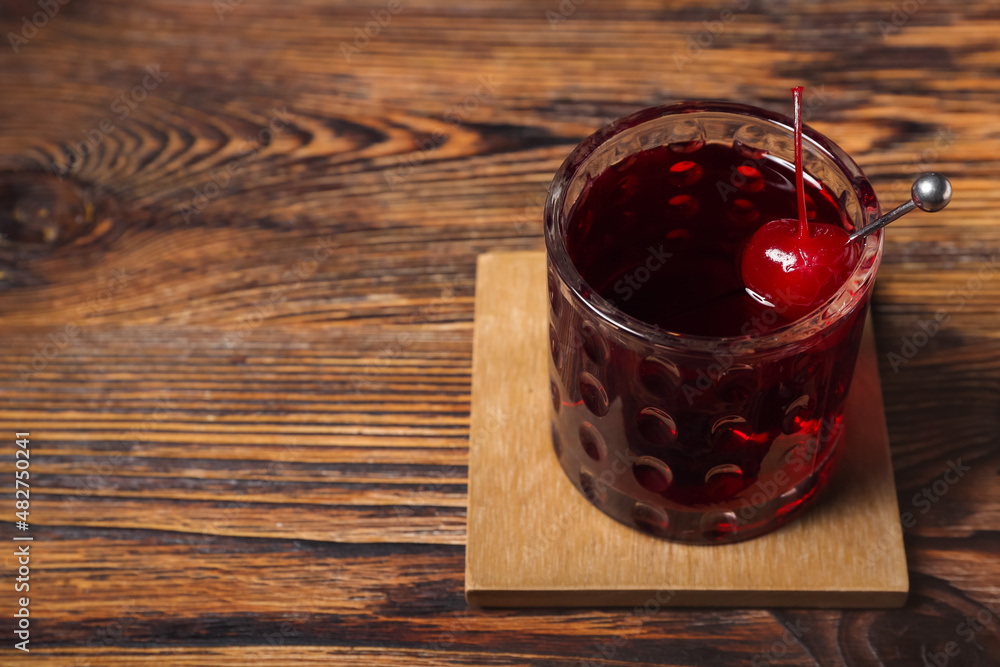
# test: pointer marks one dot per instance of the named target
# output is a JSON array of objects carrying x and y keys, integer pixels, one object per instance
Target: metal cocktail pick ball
[{"x": 930, "y": 192}]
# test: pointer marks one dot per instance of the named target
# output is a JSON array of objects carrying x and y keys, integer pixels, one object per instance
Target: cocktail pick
[{"x": 930, "y": 192}]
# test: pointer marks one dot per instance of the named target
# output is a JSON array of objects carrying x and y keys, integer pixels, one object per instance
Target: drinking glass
[{"x": 696, "y": 438}]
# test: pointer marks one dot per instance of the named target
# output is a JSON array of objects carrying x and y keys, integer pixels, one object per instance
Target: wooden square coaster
[{"x": 534, "y": 540}]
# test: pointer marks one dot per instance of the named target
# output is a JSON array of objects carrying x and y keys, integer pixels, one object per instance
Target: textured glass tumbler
[{"x": 692, "y": 438}]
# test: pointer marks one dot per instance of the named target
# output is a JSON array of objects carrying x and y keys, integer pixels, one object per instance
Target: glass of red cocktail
[{"x": 683, "y": 404}]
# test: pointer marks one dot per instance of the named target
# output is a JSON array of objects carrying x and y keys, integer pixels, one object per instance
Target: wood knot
[{"x": 40, "y": 211}]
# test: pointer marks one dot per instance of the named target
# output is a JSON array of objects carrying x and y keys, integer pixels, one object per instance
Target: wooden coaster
[{"x": 535, "y": 541}]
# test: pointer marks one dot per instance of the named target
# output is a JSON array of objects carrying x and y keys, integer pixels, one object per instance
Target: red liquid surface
[
  {"x": 713, "y": 447},
  {"x": 662, "y": 233}
]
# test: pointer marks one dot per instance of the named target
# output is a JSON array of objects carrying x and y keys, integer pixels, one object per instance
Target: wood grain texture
[
  {"x": 269, "y": 456},
  {"x": 535, "y": 541}
]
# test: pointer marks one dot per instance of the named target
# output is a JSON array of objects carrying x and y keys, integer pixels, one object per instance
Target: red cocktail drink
[{"x": 684, "y": 404}]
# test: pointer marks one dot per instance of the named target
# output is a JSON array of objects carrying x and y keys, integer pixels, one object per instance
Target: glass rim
[{"x": 555, "y": 242}]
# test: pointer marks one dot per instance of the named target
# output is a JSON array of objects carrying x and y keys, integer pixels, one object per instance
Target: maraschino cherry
[{"x": 794, "y": 266}]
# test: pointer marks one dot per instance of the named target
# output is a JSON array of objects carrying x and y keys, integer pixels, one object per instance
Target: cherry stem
[{"x": 800, "y": 187}]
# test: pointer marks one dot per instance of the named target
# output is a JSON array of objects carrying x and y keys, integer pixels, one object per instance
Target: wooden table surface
[{"x": 237, "y": 298}]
